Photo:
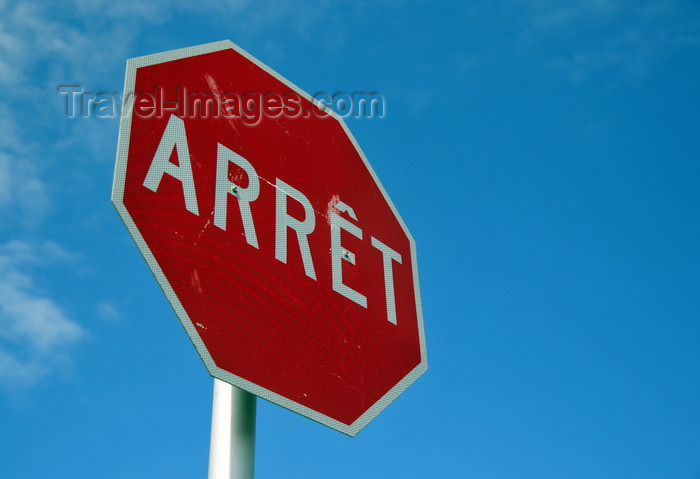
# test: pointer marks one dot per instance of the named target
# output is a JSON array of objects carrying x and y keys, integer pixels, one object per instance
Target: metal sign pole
[{"x": 232, "y": 447}]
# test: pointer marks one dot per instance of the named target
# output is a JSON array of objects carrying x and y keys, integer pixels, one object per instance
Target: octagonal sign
[{"x": 270, "y": 234}]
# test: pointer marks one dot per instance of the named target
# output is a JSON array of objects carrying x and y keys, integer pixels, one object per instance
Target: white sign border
[{"x": 117, "y": 199}]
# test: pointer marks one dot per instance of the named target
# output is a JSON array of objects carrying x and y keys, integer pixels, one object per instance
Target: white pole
[{"x": 232, "y": 447}]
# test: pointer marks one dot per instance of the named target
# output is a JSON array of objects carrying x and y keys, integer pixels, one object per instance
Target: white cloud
[
  {"x": 35, "y": 332},
  {"x": 17, "y": 373},
  {"x": 23, "y": 195},
  {"x": 32, "y": 319},
  {"x": 81, "y": 41}
]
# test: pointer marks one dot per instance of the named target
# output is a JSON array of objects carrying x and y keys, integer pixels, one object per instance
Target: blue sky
[{"x": 544, "y": 155}]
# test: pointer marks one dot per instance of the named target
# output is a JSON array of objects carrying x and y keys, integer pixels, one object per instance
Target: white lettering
[
  {"x": 302, "y": 228},
  {"x": 338, "y": 253},
  {"x": 173, "y": 137},
  {"x": 388, "y": 254},
  {"x": 224, "y": 187}
]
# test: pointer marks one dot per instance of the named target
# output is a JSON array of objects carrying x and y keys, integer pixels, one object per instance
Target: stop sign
[{"x": 270, "y": 234}]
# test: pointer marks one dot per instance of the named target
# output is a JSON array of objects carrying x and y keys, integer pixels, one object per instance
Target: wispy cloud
[
  {"x": 549, "y": 15},
  {"x": 107, "y": 311},
  {"x": 23, "y": 197},
  {"x": 35, "y": 332},
  {"x": 83, "y": 40},
  {"x": 586, "y": 37}
]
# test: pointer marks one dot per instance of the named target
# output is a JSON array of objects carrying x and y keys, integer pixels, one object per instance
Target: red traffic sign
[{"x": 270, "y": 234}]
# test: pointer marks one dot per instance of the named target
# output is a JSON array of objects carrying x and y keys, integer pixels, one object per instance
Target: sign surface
[{"x": 270, "y": 234}]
